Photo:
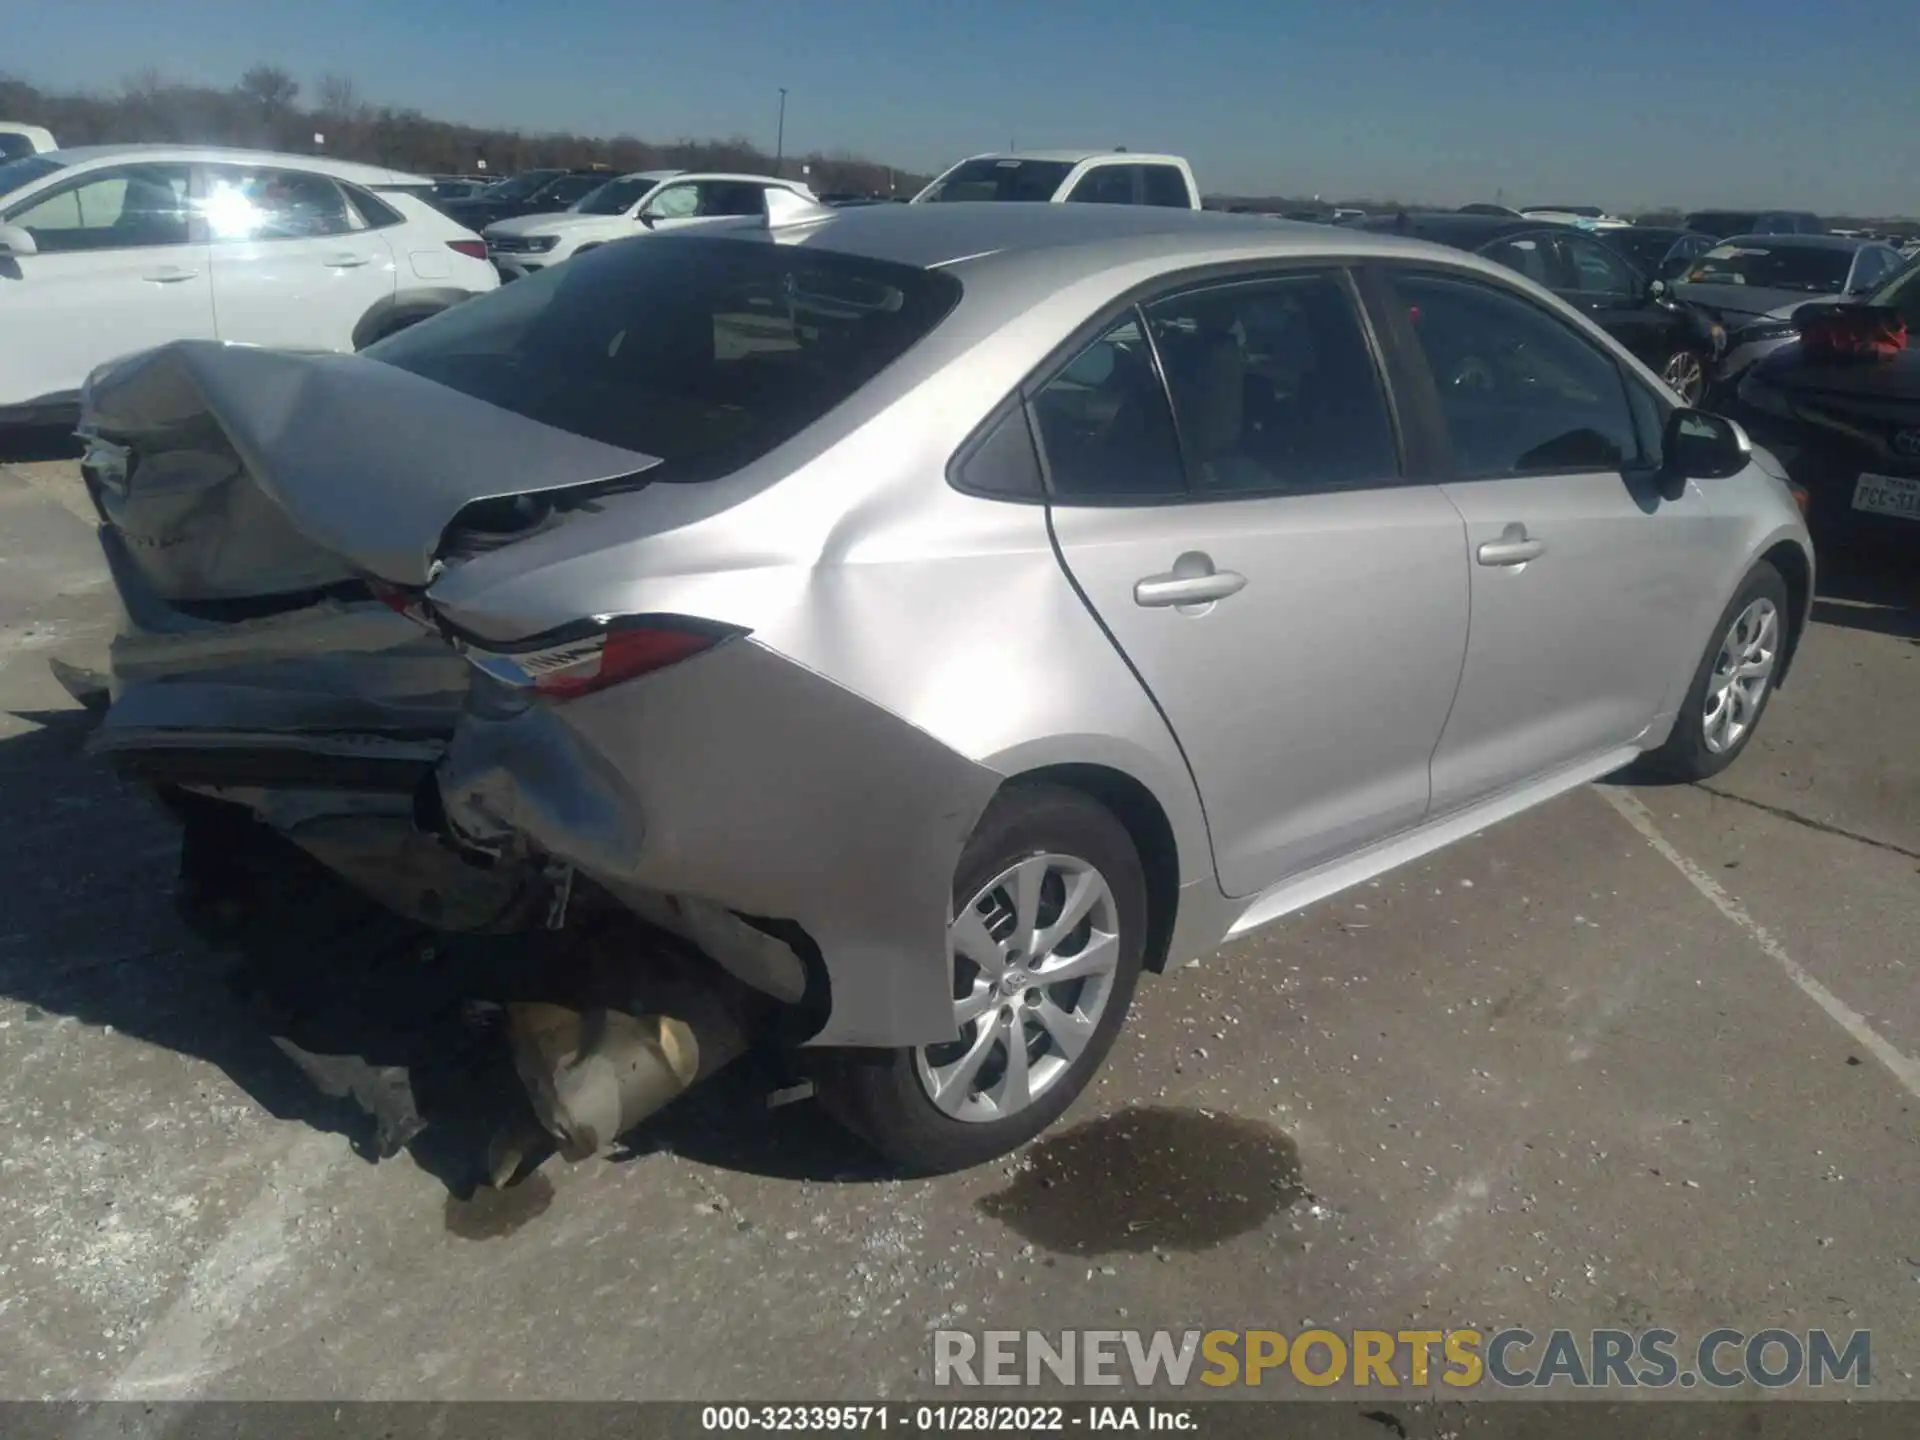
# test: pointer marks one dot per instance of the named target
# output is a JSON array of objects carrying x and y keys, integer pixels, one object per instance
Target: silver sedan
[{"x": 934, "y": 616}]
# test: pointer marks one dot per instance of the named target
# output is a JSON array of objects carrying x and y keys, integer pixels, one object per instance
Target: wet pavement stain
[
  {"x": 490, "y": 1214},
  {"x": 1150, "y": 1178}
]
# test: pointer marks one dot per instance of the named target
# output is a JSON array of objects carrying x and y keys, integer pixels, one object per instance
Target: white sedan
[
  {"x": 112, "y": 249},
  {"x": 635, "y": 204}
]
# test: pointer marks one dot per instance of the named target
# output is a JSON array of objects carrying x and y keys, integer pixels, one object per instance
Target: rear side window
[
  {"x": 1166, "y": 186},
  {"x": 1104, "y": 185},
  {"x": 1274, "y": 388},
  {"x": 249, "y": 203},
  {"x": 1003, "y": 178},
  {"x": 705, "y": 352},
  {"x": 1521, "y": 392},
  {"x": 1104, "y": 425}
]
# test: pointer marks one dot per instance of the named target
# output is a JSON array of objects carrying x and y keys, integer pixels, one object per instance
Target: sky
[{"x": 1624, "y": 103}]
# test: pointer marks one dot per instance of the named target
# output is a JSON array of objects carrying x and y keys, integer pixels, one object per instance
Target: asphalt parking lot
[{"x": 1643, "y": 1057}]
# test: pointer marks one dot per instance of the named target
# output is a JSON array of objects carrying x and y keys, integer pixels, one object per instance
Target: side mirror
[
  {"x": 645, "y": 219},
  {"x": 1700, "y": 446},
  {"x": 1656, "y": 289},
  {"x": 16, "y": 241}
]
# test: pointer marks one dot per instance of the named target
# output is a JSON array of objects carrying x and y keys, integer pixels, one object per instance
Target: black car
[
  {"x": 1840, "y": 407},
  {"x": 1658, "y": 250},
  {"x": 1721, "y": 223},
  {"x": 1676, "y": 339},
  {"x": 532, "y": 192}
]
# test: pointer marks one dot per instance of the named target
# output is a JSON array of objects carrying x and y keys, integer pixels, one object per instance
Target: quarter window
[
  {"x": 1521, "y": 392},
  {"x": 127, "y": 207},
  {"x": 1104, "y": 425},
  {"x": 1274, "y": 387}
]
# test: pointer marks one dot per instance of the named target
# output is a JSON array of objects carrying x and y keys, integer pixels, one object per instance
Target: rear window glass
[
  {"x": 1818, "y": 271},
  {"x": 702, "y": 351}
]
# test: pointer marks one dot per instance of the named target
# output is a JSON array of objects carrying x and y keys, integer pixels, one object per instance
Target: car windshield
[
  {"x": 615, "y": 197},
  {"x": 704, "y": 352},
  {"x": 25, "y": 170},
  {"x": 1005, "y": 179},
  {"x": 521, "y": 186},
  {"x": 1809, "y": 269}
]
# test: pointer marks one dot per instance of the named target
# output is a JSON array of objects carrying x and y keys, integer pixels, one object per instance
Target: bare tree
[
  {"x": 271, "y": 88},
  {"x": 337, "y": 97}
]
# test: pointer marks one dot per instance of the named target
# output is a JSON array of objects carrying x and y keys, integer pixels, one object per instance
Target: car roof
[
  {"x": 1074, "y": 157},
  {"x": 1799, "y": 242},
  {"x": 349, "y": 170},
  {"x": 930, "y": 236}
]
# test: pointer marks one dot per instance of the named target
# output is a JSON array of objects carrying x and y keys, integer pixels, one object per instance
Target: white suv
[
  {"x": 635, "y": 204},
  {"x": 113, "y": 249}
]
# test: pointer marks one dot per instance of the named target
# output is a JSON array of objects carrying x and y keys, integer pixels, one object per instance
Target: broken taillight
[
  {"x": 472, "y": 249},
  {"x": 606, "y": 654}
]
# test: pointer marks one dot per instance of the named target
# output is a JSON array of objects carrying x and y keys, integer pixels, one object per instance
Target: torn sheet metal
[
  {"x": 257, "y": 472},
  {"x": 718, "y": 779}
]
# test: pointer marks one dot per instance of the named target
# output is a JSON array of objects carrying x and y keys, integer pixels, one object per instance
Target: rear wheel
[
  {"x": 1731, "y": 688},
  {"x": 1043, "y": 953}
]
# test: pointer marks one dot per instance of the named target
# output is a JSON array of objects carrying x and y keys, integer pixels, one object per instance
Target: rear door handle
[
  {"x": 1158, "y": 591},
  {"x": 346, "y": 261},
  {"x": 1514, "y": 547},
  {"x": 172, "y": 275}
]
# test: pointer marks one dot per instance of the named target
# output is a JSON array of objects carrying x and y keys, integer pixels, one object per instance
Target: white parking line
[{"x": 1905, "y": 1070}]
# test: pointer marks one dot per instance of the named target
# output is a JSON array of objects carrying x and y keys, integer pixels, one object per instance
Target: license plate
[{"x": 1887, "y": 495}]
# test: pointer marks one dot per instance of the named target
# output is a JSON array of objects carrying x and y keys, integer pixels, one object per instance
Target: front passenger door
[
  {"x": 118, "y": 269},
  {"x": 1579, "y": 562},
  {"x": 1296, "y": 605}
]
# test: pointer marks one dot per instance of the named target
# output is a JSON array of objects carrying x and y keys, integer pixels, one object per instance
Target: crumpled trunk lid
[
  {"x": 247, "y": 497},
  {"x": 234, "y": 473}
]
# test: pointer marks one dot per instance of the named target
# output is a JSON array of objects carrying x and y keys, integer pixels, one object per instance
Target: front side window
[
  {"x": 1589, "y": 268},
  {"x": 126, "y": 207},
  {"x": 731, "y": 197},
  {"x": 1870, "y": 268},
  {"x": 704, "y": 352},
  {"x": 245, "y": 203},
  {"x": 1902, "y": 293},
  {"x": 1165, "y": 186},
  {"x": 1103, "y": 423},
  {"x": 1521, "y": 391},
  {"x": 1002, "y": 178},
  {"x": 1274, "y": 387},
  {"x": 674, "y": 202},
  {"x": 1528, "y": 255},
  {"x": 1104, "y": 185}
]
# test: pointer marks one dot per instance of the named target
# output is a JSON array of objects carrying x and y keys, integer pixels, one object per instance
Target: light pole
[{"x": 780, "y": 135}]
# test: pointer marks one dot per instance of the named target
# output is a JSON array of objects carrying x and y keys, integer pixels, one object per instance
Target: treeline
[{"x": 270, "y": 110}]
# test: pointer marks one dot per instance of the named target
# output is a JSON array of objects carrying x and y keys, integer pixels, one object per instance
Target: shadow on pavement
[
  {"x": 325, "y": 1009},
  {"x": 30, "y": 444},
  {"x": 1873, "y": 590}
]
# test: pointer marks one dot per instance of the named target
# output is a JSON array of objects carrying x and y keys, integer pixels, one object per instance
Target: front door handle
[
  {"x": 172, "y": 275},
  {"x": 1192, "y": 581},
  {"x": 345, "y": 262},
  {"x": 1514, "y": 547}
]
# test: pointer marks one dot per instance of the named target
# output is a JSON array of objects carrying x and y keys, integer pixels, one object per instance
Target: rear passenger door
[
  {"x": 1294, "y": 602},
  {"x": 1579, "y": 561},
  {"x": 294, "y": 264}
]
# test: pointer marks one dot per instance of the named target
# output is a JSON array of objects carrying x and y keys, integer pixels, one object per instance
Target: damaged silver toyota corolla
[{"x": 930, "y": 616}]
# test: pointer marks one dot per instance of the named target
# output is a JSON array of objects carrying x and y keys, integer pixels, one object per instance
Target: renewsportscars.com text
[{"x": 1509, "y": 1359}]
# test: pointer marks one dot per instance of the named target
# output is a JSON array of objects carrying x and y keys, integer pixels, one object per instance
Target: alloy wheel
[
  {"x": 1684, "y": 372},
  {"x": 1033, "y": 954},
  {"x": 1741, "y": 673}
]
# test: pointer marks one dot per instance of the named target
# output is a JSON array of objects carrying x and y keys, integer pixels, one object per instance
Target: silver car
[{"x": 932, "y": 616}]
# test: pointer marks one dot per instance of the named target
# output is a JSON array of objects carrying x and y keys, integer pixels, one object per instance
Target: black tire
[
  {"x": 878, "y": 1093},
  {"x": 1686, "y": 756}
]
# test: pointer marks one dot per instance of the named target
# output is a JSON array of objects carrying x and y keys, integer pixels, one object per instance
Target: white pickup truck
[
  {"x": 17, "y": 140},
  {"x": 1102, "y": 177}
]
